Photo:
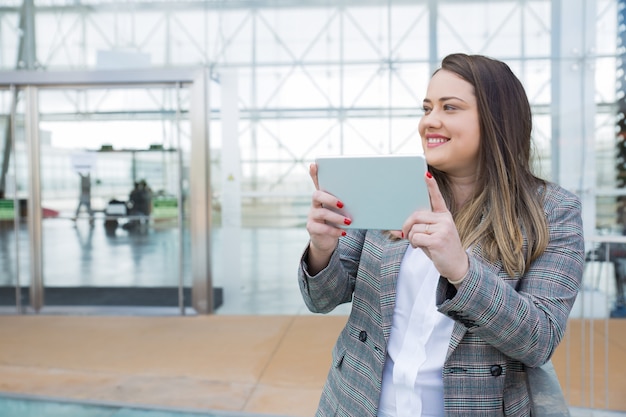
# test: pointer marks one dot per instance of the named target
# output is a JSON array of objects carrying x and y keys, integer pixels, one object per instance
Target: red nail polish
[
  {"x": 343, "y": 233},
  {"x": 402, "y": 235},
  {"x": 347, "y": 221},
  {"x": 339, "y": 204},
  {"x": 428, "y": 174}
]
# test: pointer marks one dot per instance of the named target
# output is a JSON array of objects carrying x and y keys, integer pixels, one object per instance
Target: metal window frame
[{"x": 198, "y": 81}]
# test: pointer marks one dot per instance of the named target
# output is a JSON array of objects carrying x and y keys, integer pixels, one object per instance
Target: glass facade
[{"x": 313, "y": 77}]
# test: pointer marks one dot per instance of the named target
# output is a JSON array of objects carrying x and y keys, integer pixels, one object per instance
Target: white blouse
[{"x": 418, "y": 343}]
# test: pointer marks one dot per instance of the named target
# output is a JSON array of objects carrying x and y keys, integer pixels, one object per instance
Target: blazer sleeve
[
  {"x": 333, "y": 285},
  {"x": 525, "y": 318}
]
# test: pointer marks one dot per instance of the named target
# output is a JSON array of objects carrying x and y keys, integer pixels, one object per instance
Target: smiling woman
[{"x": 479, "y": 288}]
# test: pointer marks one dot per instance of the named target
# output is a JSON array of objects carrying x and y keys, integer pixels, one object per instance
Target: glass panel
[
  {"x": 608, "y": 261},
  {"x": 110, "y": 189},
  {"x": 10, "y": 35},
  {"x": 14, "y": 237}
]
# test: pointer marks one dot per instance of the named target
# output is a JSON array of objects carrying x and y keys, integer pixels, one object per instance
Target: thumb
[{"x": 437, "y": 203}]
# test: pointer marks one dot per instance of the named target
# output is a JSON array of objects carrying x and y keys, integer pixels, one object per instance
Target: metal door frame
[{"x": 200, "y": 185}]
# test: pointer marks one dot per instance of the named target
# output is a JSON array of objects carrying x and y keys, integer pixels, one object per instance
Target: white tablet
[{"x": 378, "y": 192}]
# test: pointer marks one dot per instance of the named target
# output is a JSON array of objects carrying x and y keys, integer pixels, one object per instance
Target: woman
[{"x": 448, "y": 312}]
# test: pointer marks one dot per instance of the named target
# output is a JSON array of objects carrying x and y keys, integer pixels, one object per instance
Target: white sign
[{"x": 83, "y": 162}]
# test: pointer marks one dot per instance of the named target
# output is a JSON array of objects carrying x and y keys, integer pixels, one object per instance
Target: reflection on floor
[{"x": 255, "y": 268}]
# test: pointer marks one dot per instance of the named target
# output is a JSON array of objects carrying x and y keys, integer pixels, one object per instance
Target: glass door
[
  {"x": 107, "y": 180},
  {"x": 114, "y": 164}
]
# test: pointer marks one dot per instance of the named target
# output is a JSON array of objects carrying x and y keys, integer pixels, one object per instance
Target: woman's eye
[
  {"x": 426, "y": 109},
  {"x": 449, "y": 107}
]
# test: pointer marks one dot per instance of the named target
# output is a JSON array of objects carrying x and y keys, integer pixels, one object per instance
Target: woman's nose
[{"x": 431, "y": 119}]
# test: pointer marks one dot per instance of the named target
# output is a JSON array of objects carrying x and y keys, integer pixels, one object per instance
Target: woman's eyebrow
[
  {"x": 442, "y": 99},
  {"x": 451, "y": 98}
]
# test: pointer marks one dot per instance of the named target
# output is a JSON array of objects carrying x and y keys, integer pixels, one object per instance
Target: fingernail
[
  {"x": 402, "y": 235},
  {"x": 339, "y": 204},
  {"x": 428, "y": 174},
  {"x": 343, "y": 233},
  {"x": 347, "y": 221}
]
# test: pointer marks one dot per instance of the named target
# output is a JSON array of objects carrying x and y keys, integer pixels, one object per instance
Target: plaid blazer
[{"x": 502, "y": 323}]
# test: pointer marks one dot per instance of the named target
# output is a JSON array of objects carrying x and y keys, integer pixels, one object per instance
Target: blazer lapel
[
  {"x": 458, "y": 332},
  {"x": 389, "y": 270}
]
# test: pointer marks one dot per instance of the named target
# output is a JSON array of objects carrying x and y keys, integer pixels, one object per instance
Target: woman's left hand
[{"x": 436, "y": 234}]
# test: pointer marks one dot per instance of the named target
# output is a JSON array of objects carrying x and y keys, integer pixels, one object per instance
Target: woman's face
[{"x": 450, "y": 128}]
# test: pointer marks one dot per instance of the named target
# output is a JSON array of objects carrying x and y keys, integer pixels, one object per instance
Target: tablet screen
[{"x": 378, "y": 192}]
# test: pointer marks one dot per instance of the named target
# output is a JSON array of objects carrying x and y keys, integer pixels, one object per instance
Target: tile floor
[
  {"x": 232, "y": 363},
  {"x": 250, "y": 365}
]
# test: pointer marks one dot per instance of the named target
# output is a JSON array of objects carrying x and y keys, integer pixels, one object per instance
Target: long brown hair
[{"x": 507, "y": 202}]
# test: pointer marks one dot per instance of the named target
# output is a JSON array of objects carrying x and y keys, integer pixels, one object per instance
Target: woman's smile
[{"x": 434, "y": 140}]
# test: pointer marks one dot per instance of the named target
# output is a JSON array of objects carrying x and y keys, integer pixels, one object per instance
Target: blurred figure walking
[{"x": 85, "y": 196}]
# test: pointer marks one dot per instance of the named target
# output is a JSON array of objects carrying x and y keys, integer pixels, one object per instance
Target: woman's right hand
[{"x": 323, "y": 225}]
